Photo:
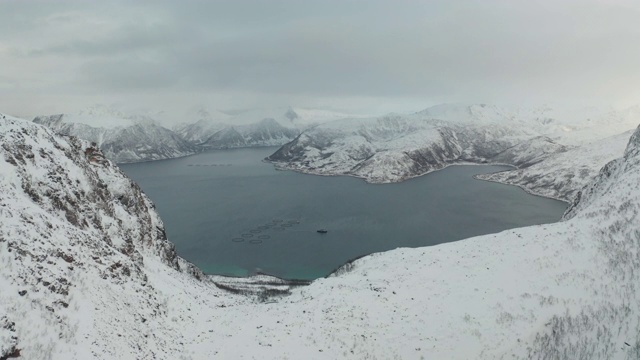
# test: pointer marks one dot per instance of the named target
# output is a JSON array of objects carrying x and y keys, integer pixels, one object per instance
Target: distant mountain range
[{"x": 126, "y": 138}]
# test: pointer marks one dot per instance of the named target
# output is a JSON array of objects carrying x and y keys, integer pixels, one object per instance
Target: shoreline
[{"x": 279, "y": 166}]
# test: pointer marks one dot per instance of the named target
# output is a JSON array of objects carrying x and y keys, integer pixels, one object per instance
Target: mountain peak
[{"x": 291, "y": 114}]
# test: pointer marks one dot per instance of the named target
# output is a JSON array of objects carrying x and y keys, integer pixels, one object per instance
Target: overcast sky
[{"x": 364, "y": 56}]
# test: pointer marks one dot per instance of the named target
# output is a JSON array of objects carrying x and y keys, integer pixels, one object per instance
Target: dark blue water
[{"x": 230, "y": 213}]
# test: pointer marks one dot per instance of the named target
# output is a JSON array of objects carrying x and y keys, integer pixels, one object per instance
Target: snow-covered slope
[
  {"x": 562, "y": 174},
  {"x": 76, "y": 240},
  {"x": 566, "y": 290},
  {"x": 122, "y": 138},
  {"x": 86, "y": 272}
]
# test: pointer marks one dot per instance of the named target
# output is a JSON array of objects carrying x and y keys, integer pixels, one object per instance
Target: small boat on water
[{"x": 322, "y": 231}]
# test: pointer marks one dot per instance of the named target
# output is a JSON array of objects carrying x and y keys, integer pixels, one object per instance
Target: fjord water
[{"x": 232, "y": 214}]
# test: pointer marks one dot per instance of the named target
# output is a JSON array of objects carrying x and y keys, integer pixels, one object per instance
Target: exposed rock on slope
[
  {"x": 74, "y": 234},
  {"x": 130, "y": 140}
]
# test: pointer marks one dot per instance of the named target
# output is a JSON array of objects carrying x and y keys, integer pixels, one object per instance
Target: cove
[{"x": 229, "y": 213}]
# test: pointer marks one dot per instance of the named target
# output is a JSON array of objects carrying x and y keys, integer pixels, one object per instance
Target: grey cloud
[
  {"x": 463, "y": 50},
  {"x": 128, "y": 40}
]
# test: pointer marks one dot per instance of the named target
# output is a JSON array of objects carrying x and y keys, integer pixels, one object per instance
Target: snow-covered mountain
[
  {"x": 267, "y": 132},
  {"x": 86, "y": 272},
  {"x": 261, "y": 127},
  {"x": 122, "y": 138},
  {"x": 201, "y": 125},
  {"x": 397, "y": 147}
]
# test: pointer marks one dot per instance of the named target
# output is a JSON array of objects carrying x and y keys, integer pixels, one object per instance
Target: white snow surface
[{"x": 79, "y": 238}]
